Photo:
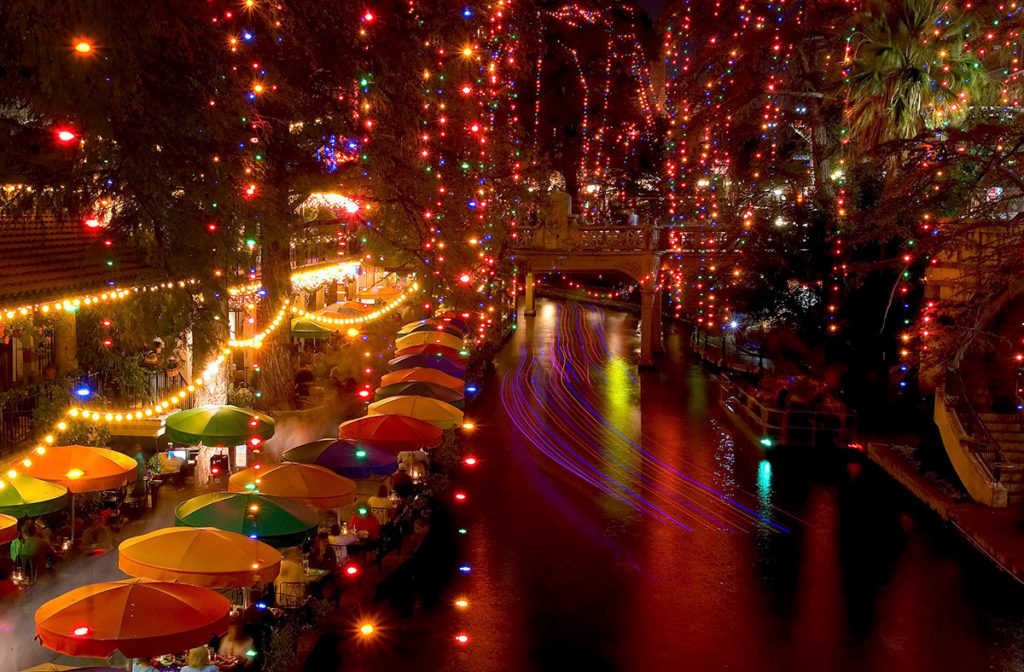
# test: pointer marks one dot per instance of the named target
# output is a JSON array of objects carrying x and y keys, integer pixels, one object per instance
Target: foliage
[{"x": 241, "y": 396}]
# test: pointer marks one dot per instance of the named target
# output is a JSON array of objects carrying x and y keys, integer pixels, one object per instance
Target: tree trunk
[{"x": 277, "y": 377}]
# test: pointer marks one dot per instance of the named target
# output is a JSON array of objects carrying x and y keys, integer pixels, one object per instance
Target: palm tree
[{"x": 910, "y": 71}]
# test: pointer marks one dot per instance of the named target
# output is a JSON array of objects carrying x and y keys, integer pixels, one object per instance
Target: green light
[
  {"x": 250, "y": 486},
  {"x": 250, "y": 242},
  {"x": 360, "y": 453},
  {"x": 463, "y": 530},
  {"x": 362, "y": 510},
  {"x": 251, "y": 653},
  {"x": 767, "y": 442}
]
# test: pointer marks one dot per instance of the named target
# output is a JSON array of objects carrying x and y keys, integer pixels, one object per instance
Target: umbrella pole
[{"x": 72, "y": 519}]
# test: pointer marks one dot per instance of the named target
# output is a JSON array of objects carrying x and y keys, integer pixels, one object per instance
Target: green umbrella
[
  {"x": 277, "y": 521},
  {"x": 22, "y": 495},
  {"x": 219, "y": 426},
  {"x": 303, "y": 328}
]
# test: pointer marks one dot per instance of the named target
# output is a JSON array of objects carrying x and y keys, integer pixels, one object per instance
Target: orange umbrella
[
  {"x": 81, "y": 468},
  {"x": 422, "y": 374},
  {"x": 306, "y": 483},
  {"x": 201, "y": 556},
  {"x": 392, "y": 432},
  {"x": 8, "y": 528},
  {"x": 138, "y": 617}
]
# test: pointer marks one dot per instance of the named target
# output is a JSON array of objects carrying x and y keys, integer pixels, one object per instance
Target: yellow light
[
  {"x": 468, "y": 51},
  {"x": 462, "y": 603},
  {"x": 83, "y": 47},
  {"x": 366, "y": 629},
  {"x": 353, "y": 332},
  {"x": 75, "y": 473},
  {"x": 468, "y": 425},
  {"x": 254, "y": 507}
]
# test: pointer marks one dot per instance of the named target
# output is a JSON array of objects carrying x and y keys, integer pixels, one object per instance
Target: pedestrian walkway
[{"x": 18, "y": 650}]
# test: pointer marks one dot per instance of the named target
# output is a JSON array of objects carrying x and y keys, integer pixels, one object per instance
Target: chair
[
  {"x": 291, "y": 594},
  {"x": 382, "y": 514},
  {"x": 340, "y": 553}
]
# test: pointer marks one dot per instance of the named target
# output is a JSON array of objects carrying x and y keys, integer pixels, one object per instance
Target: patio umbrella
[
  {"x": 430, "y": 410},
  {"x": 303, "y": 328},
  {"x": 352, "y": 459},
  {"x": 381, "y": 293},
  {"x": 306, "y": 483},
  {"x": 457, "y": 369},
  {"x": 422, "y": 389},
  {"x": 218, "y": 426},
  {"x": 200, "y": 556},
  {"x": 392, "y": 432},
  {"x": 431, "y": 325},
  {"x": 22, "y": 495},
  {"x": 451, "y": 317},
  {"x": 431, "y": 349},
  {"x": 82, "y": 468},
  {"x": 138, "y": 617},
  {"x": 423, "y": 374},
  {"x": 277, "y": 521},
  {"x": 54, "y": 667},
  {"x": 8, "y": 528},
  {"x": 435, "y": 337}
]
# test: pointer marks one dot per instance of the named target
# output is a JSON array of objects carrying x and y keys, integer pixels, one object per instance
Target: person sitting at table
[
  {"x": 198, "y": 660},
  {"x": 290, "y": 584},
  {"x": 380, "y": 506},
  {"x": 364, "y": 521},
  {"x": 236, "y": 644},
  {"x": 322, "y": 556},
  {"x": 30, "y": 551},
  {"x": 402, "y": 484},
  {"x": 97, "y": 538}
]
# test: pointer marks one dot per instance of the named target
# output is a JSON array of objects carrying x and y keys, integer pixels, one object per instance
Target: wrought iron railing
[
  {"x": 592, "y": 239},
  {"x": 976, "y": 436}
]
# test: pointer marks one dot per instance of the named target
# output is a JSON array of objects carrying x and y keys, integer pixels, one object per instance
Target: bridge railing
[{"x": 592, "y": 239}]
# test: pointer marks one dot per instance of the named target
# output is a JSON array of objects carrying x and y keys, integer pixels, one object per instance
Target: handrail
[{"x": 986, "y": 444}]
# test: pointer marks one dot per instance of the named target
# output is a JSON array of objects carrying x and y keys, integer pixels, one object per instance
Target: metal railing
[
  {"x": 787, "y": 427},
  {"x": 978, "y": 440},
  {"x": 640, "y": 238},
  {"x": 16, "y": 420}
]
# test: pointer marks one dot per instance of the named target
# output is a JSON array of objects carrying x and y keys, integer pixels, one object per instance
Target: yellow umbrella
[
  {"x": 201, "y": 556},
  {"x": 434, "y": 411},
  {"x": 306, "y": 483},
  {"x": 8, "y": 528},
  {"x": 429, "y": 338},
  {"x": 48, "y": 667}
]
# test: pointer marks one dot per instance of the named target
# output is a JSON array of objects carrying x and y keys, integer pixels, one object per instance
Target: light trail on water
[{"x": 552, "y": 397}]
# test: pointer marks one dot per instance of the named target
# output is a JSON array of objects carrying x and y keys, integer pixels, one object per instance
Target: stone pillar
[
  {"x": 659, "y": 344},
  {"x": 649, "y": 335},
  {"x": 529, "y": 308},
  {"x": 65, "y": 342}
]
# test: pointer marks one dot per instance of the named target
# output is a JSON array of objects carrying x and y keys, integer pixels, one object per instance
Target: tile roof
[{"x": 45, "y": 259}]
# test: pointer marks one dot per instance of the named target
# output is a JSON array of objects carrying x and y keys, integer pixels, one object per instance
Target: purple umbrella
[
  {"x": 345, "y": 457},
  {"x": 438, "y": 362}
]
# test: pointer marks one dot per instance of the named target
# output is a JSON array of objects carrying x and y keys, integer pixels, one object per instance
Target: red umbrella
[
  {"x": 138, "y": 617},
  {"x": 392, "y": 432},
  {"x": 430, "y": 349}
]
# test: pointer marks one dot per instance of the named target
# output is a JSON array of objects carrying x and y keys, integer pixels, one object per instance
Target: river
[{"x": 614, "y": 521}]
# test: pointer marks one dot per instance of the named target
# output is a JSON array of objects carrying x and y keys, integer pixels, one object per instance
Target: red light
[
  {"x": 470, "y": 461},
  {"x": 215, "y": 470},
  {"x": 351, "y": 570},
  {"x": 65, "y": 135},
  {"x": 364, "y": 393},
  {"x": 80, "y": 631},
  {"x": 106, "y": 323},
  {"x": 107, "y": 342},
  {"x": 255, "y": 441},
  {"x": 257, "y": 466},
  {"x": 461, "y": 496},
  {"x": 368, "y": 16},
  {"x": 461, "y": 639},
  {"x": 211, "y": 227},
  {"x": 93, "y": 223},
  {"x": 464, "y": 278}
]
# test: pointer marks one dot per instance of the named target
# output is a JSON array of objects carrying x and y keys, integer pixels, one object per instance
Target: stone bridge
[{"x": 567, "y": 247}]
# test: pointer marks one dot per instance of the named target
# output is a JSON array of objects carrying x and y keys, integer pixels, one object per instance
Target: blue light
[
  {"x": 467, "y": 12},
  {"x": 465, "y": 569},
  {"x": 83, "y": 392},
  {"x": 472, "y": 204},
  {"x": 247, "y": 36},
  {"x": 471, "y": 388},
  {"x": 252, "y": 536},
  {"x": 903, "y": 383},
  {"x": 261, "y": 605}
]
